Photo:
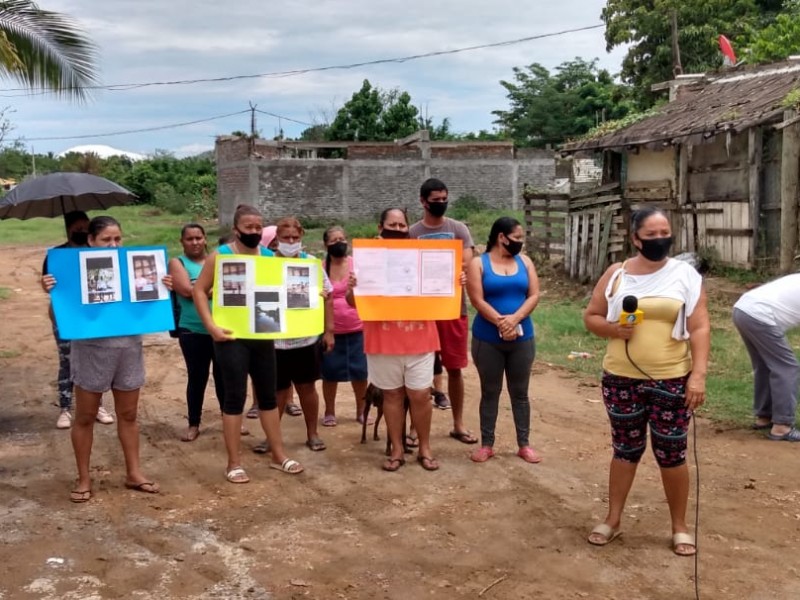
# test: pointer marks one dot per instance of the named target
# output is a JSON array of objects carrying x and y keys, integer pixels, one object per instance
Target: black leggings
[
  {"x": 198, "y": 352},
  {"x": 239, "y": 358}
]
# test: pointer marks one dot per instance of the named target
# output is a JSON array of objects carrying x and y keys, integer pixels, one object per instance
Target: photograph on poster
[
  {"x": 145, "y": 271},
  {"x": 100, "y": 277},
  {"x": 234, "y": 283},
  {"x": 267, "y": 311},
  {"x": 298, "y": 286}
]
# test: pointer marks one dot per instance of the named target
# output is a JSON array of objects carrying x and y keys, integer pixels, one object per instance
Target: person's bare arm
[
  {"x": 475, "y": 292},
  {"x": 533, "y": 295},
  {"x": 180, "y": 278},
  {"x": 201, "y": 291},
  {"x": 699, "y": 327},
  {"x": 594, "y": 317}
]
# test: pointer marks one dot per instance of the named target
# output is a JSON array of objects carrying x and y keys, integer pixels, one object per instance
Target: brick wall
[{"x": 373, "y": 176}]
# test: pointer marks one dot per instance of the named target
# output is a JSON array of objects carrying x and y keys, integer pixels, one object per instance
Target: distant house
[{"x": 723, "y": 157}]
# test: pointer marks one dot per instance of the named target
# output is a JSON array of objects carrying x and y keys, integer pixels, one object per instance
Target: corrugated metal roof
[{"x": 730, "y": 101}]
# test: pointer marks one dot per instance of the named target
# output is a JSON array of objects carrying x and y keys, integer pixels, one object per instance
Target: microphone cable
[{"x": 658, "y": 389}]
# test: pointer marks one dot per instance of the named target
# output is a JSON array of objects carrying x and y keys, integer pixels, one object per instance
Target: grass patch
[
  {"x": 10, "y": 353},
  {"x": 4, "y": 293}
]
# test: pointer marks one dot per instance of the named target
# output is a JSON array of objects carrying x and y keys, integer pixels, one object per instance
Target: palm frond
[{"x": 52, "y": 50}]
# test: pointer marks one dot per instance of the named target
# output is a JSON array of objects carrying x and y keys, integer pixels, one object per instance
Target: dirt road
[{"x": 346, "y": 529}]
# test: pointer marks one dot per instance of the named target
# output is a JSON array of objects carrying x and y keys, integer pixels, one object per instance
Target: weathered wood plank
[{"x": 755, "y": 151}]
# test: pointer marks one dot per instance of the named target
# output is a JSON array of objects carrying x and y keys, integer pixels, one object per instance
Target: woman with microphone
[{"x": 654, "y": 369}]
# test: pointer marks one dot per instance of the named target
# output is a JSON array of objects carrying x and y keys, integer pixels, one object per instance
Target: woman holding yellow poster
[{"x": 239, "y": 358}]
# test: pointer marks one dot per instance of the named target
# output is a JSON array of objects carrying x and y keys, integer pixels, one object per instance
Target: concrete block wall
[{"x": 373, "y": 176}]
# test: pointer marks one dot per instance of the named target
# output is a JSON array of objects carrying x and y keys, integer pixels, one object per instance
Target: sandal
[
  {"x": 412, "y": 441},
  {"x": 316, "y": 445},
  {"x": 482, "y": 454},
  {"x": 428, "y": 463},
  {"x": 465, "y": 437},
  {"x": 607, "y": 535},
  {"x": 530, "y": 455},
  {"x": 684, "y": 540},
  {"x": 329, "y": 421},
  {"x": 244, "y": 431},
  {"x": 393, "y": 464},
  {"x": 79, "y": 496},
  {"x": 289, "y": 466},
  {"x": 262, "y": 448},
  {"x": 237, "y": 475},
  {"x": 793, "y": 435},
  {"x": 252, "y": 413},
  {"x": 148, "y": 487},
  {"x": 293, "y": 409}
]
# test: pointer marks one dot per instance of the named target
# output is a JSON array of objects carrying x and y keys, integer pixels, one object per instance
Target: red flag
[{"x": 729, "y": 56}]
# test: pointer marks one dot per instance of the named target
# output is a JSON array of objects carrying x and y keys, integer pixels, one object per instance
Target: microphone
[{"x": 630, "y": 315}]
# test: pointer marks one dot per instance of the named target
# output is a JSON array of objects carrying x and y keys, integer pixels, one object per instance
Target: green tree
[
  {"x": 551, "y": 108},
  {"x": 40, "y": 48},
  {"x": 779, "y": 39},
  {"x": 646, "y": 27},
  {"x": 375, "y": 115}
]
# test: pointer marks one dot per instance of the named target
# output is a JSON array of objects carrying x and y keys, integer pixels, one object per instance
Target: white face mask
[{"x": 289, "y": 249}]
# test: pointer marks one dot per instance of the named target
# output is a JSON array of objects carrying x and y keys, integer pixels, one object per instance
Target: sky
[{"x": 167, "y": 40}]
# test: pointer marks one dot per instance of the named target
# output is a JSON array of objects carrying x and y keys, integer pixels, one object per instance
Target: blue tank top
[
  {"x": 504, "y": 293},
  {"x": 226, "y": 249},
  {"x": 189, "y": 318}
]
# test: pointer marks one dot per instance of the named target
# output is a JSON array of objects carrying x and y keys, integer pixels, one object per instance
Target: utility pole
[
  {"x": 677, "y": 68},
  {"x": 252, "y": 127},
  {"x": 33, "y": 160}
]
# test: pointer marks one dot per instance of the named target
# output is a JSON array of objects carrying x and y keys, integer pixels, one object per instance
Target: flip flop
[
  {"x": 316, "y": 445},
  {"x": 252, "y": 413},
  {"x": 237, "y": 475},
  {"x": 261, "y": 448},
  {"x": 148, "y": 487},
  {"x": 428, "y": 463},
  {"x": 80, "y": 496},
  {"x": 288, "y": 466},
  {"x": 329, "y": 421},
  {"x": 412, "y": 441},
  {"x": 683, "y": 539},
  {"x": 393, "y": 464},
  {"x": 465, "y": 437},
  {"x": 609, "y": 534},
  {"x": 294, "y": 410}
]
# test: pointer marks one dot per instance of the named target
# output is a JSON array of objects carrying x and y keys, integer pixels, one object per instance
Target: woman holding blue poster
[
  {"x": 99, "y": 365},
  {"x": 239, "y": 358}
]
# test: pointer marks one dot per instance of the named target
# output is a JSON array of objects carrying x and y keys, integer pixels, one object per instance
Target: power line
[
  {"x": 281, "y": 74},
  {"x": 269, "y": 114},
  {"x": 142, "y": 130}
]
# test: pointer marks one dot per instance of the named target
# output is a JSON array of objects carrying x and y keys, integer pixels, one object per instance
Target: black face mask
[
  {"x": 513, "y": 247},
  {"x": 394, "y": 234},
  {"x": 251, "y": 240},
  {"x": 437, "y": 209},
  {"x": 338, "y": 249},
  {"x": 79, "y": 238},
  {"x": 655, "y": 249}
]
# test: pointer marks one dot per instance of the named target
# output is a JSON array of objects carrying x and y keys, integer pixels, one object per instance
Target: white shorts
[{"x": 394, "y": 371}]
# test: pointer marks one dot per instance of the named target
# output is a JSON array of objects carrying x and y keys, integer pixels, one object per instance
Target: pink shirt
[
  {"x": 400, "y": 337},
  {"x": 345, "y": 317}
]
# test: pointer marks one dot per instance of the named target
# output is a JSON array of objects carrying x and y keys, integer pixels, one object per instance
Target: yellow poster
[
  {"x": 407, "y": 280},
  {"x": 259, "y": 297}
]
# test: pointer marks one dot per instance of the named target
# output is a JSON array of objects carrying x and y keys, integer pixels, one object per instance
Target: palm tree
[{"x": 43, "y": 49}]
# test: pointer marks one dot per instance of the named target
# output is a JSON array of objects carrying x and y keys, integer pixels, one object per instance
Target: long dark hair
[
  {"x": 504, "y": 225},
  {"x": 386, "y": 212},
  {"x": 325, "y": 235},
  {"x": 100, "y": 223},
  {"x": 641, "y": 215}
]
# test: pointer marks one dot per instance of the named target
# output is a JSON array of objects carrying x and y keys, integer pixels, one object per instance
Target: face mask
[
  {"x": 513, "y": 247},
  {"x": 394, "y": 234},
  {"x": 338, "y": 249},
  {"x": 437, "y": 209},
  {"x": 655, "y": 249},
  {"x": 79, "y": 238},
  {"x": 289, "y": 249},
  {"x": 251, "y": 240}
]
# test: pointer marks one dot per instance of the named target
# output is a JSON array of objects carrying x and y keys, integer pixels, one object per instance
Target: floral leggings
[{"x": 630, "y": 408}]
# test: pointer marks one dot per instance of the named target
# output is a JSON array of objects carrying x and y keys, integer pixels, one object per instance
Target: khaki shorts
[
  {"x": 99, "y": 369},
  {"x": 394, "y": 371}
]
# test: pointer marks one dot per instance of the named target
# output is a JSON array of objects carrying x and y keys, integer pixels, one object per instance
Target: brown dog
[{"x": 374, "y": 397}]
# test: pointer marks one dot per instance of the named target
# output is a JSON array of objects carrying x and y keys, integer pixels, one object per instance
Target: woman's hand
[
  {"x": 351, "y": 283},
  {"x": 167, "y": 281},
  {"x": 328, "y": 341},
  {"x": 695, "y": 391},
  {"x": 622, "y": 332},
  {"x": 48, "y": 282},
  {"x": 218, "y": 334},
  {"x": 462, "y": 280}
]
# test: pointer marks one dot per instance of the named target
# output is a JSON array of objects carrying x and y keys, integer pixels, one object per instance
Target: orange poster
[{"x": 407, "y": 280}]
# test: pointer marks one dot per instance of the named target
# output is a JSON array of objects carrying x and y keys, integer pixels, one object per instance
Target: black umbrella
[{"x": 59, "y": 193}]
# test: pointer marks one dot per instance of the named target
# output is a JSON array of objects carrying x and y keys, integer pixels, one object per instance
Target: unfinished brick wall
[{"x": 371, "y": 176}]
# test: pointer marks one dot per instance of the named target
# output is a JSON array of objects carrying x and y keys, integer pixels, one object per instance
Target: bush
[
  {"x": 166, "y": 198},
  {"x": 465, "y": 206}
]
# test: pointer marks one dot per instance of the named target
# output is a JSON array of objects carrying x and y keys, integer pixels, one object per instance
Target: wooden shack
[{"x": 722, "y": 157}]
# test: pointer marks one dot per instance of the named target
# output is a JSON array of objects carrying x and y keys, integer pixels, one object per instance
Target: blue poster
[{"x": 109, "y": 292}]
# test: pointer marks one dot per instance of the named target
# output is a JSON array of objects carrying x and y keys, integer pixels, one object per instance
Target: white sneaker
[
  {"x": 103, "y": 416},
  {"x": 64, "y": 420}
]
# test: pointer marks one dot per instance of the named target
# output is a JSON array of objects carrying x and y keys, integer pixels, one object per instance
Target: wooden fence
[{"x": 545, "y": 224}]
